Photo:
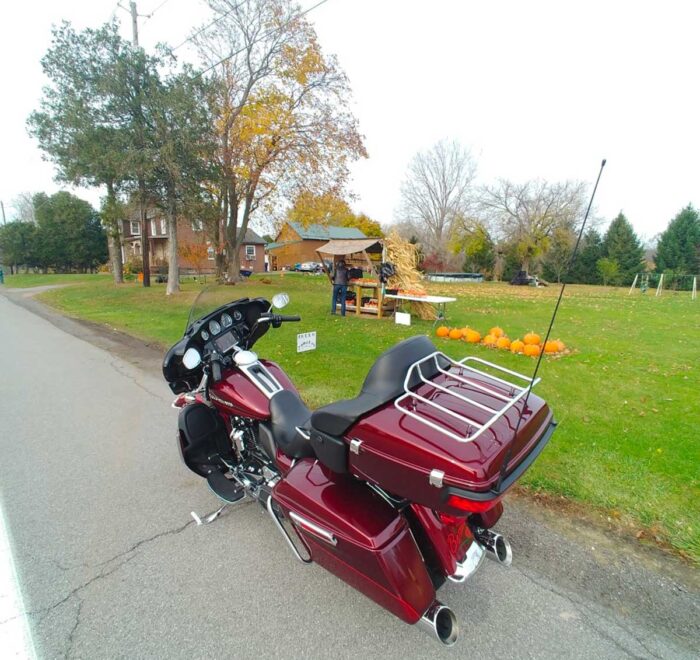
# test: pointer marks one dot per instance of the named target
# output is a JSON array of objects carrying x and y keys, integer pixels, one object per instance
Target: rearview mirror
[
  {"x": 280, "y": 300},
  {"x": 191, "y": 359}
]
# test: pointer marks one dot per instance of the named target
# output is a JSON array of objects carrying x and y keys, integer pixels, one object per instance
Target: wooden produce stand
[{"x": 358, "y": 251}]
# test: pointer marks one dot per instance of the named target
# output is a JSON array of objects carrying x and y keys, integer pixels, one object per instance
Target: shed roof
[{"x": 326, "y": 232}]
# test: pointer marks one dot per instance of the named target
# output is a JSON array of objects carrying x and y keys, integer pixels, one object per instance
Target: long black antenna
[{"x": 509, "y": 451}]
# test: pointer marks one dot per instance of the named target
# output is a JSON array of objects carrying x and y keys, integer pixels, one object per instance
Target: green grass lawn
[
  {"x": 627, "y": 397},
  {"x": 26, "y": 280}
]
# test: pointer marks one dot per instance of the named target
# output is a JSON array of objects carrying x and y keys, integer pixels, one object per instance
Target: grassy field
[{"x": 627, "y": 397}]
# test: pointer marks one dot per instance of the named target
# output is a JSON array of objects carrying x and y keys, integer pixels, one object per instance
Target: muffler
[
  {"x": 496, "y": 545},
  {"x": 439, "y": 621}
]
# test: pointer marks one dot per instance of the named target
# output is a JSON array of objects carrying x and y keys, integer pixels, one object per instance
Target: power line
[
  {"x": 207, "y": 26},
  {"x": 162, "y": 4},
  {"x": 264, "y": 35}
]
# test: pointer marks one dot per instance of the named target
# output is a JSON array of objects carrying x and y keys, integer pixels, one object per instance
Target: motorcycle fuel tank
[
  {"x": 419, "y": 461},
  {"x": 237, "y": 394}
]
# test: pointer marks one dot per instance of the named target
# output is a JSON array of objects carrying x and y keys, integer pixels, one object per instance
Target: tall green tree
[
  {"x": 621, "y": 244},
  {"x": 557, "y": 257},
  {"x": 17, "y": 244},
  {"x": 75, "y": 125},
  {"x": 679, "y": 246},
  {"x": 585, "y": 270},
  {"x": 69, "y": 235},
  {"x": 472, "y": 238}
]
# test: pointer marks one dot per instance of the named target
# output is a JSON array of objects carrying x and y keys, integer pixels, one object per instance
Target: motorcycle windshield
[{"x": 210, "y": 298}]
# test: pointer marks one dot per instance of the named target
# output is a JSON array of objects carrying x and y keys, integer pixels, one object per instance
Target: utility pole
[
  {"x": 145, "y": 246},
  {"x": 2, "y": 205},
  {"x": 134, "y": 23}
]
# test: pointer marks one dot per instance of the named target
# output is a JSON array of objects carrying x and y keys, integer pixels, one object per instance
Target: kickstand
[{"x": 209, "y": 517}]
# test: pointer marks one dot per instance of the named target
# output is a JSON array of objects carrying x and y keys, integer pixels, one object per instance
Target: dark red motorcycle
[{"x": 394, "y": 491}]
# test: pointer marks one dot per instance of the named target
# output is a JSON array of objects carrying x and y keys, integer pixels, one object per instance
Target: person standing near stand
[{"x": 340, "y": 286}]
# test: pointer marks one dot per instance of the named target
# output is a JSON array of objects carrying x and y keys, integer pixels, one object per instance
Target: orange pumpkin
[
  {"x": 455, "y": 333},
  {"x": 503, "y": 342},
  {"x": 561, "y": 345},
  {"x": 442, "y": 331},
  {"x": 517, "y": 346},
  {"x": 551, "y": 346},
  {"x": 532, "y": 338},
  {"x": 532, "y": 350},
  {"x": 490, "y": 340},
  {"x": 496, "y": 332},
  {"x": 472, "y": 336}
]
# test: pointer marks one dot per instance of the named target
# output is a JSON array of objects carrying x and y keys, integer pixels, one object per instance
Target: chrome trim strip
[
  {"x": 436, "y": 478},
  {"x": 313, "y": 529}
]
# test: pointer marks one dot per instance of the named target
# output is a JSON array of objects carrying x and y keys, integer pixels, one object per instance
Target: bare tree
[
  {"x": 437, "y": 191},
  {"x": 23, "y": 207},
  {"x": 526, "y": 214}
]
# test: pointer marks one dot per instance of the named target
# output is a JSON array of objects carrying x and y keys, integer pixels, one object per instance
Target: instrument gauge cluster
[{"x": 214, "y": 327}]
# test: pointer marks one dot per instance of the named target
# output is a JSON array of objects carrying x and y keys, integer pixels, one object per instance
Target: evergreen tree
[
  {"x": 679, "y": 247},
  {"x": 69, "y": 234},
  {"x": 17, "y": 244},
  {"x": 585, "y": 270},
  {"x": 622, "y": 245}
]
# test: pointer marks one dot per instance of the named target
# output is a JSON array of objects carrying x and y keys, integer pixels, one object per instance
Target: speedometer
[
  {"x": 214, "y": 327},
  {"x": 226, "y": 321}
]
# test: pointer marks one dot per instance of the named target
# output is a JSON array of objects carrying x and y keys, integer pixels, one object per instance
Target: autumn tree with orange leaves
[
  {"x": 330, "y": 209},
  {"x": 280, "y": 107}
]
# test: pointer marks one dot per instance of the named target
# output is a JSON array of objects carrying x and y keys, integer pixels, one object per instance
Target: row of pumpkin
[{"x": 530, "y": 345}]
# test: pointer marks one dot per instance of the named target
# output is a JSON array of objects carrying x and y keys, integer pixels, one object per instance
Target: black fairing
[
  {"x": 178, "y": 376},
  {"x": 203, "y": 439},
  {"x": 248, "y": 331}
]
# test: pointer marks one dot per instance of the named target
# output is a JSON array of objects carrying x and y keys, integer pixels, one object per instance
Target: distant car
[
  {"x": 310, "y": 267},
  {"x": 523, "y": 279}
]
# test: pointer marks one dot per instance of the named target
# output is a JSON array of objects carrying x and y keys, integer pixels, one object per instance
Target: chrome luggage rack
[{"x": 498, "y": 388}]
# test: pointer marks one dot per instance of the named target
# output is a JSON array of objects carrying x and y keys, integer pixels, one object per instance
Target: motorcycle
[{"x": 395, "y": 491}]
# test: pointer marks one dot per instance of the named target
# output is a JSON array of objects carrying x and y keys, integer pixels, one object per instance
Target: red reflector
[{"x": 473, "y": 506}]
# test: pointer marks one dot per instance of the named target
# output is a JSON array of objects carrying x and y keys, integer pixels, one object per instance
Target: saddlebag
[{"x": 356, "y": 535}]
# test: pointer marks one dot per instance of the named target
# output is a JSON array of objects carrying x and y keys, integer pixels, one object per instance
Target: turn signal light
[{"x": 472, "y": 506}]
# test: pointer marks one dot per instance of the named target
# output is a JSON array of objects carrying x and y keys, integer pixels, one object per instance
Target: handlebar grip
[{"x": 289, "y": 318}]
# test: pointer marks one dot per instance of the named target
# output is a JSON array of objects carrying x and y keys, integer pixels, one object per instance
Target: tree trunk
[
  {"x": 173, "y": 263},
  {"x": 145, "y": 247},
  {"x": 232, "y": 242},
  {"x": 114, "y": 243}
]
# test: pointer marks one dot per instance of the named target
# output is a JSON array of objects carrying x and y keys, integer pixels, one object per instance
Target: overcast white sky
[{"x": 537, "y": 89}]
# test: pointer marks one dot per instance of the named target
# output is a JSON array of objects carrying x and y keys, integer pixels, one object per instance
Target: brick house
[
  {"x": 252, "y": 251},
  {"x": 296, "y": 244}
]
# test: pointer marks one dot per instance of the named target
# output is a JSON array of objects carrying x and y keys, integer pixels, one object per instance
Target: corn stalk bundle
[{"x": 407, "y": 279}]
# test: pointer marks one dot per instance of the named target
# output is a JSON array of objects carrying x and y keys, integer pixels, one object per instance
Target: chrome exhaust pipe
[
  {"x": 439, "y": 621},
  {"x": 496, "y": 545}
]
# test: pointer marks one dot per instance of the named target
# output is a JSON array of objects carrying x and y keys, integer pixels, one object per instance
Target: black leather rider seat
[
  {"x": 384, "y": 383},
  {"x": 287, "y": 413}
]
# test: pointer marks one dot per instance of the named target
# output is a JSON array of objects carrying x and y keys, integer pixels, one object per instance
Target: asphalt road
[{"x": 97, "y": 507}]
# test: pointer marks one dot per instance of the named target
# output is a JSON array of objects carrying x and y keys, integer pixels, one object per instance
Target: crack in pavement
[
  {"x": 69, "y": 646},
  {"x": 43, "y": 612},
  {"x": 114, "y": 364},
  {"x": 591, "y": 617}
]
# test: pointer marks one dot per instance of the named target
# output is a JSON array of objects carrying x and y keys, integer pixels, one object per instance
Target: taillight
[{"x": 471, "y": 506}]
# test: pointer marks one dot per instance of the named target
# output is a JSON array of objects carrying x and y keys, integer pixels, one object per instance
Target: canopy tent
[
  {"x": 345, "y": 247},
  {"x": 352, "y": 246}
]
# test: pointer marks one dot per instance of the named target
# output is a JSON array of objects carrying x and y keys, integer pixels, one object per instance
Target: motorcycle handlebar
[{"x": 283, "y": 318}]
